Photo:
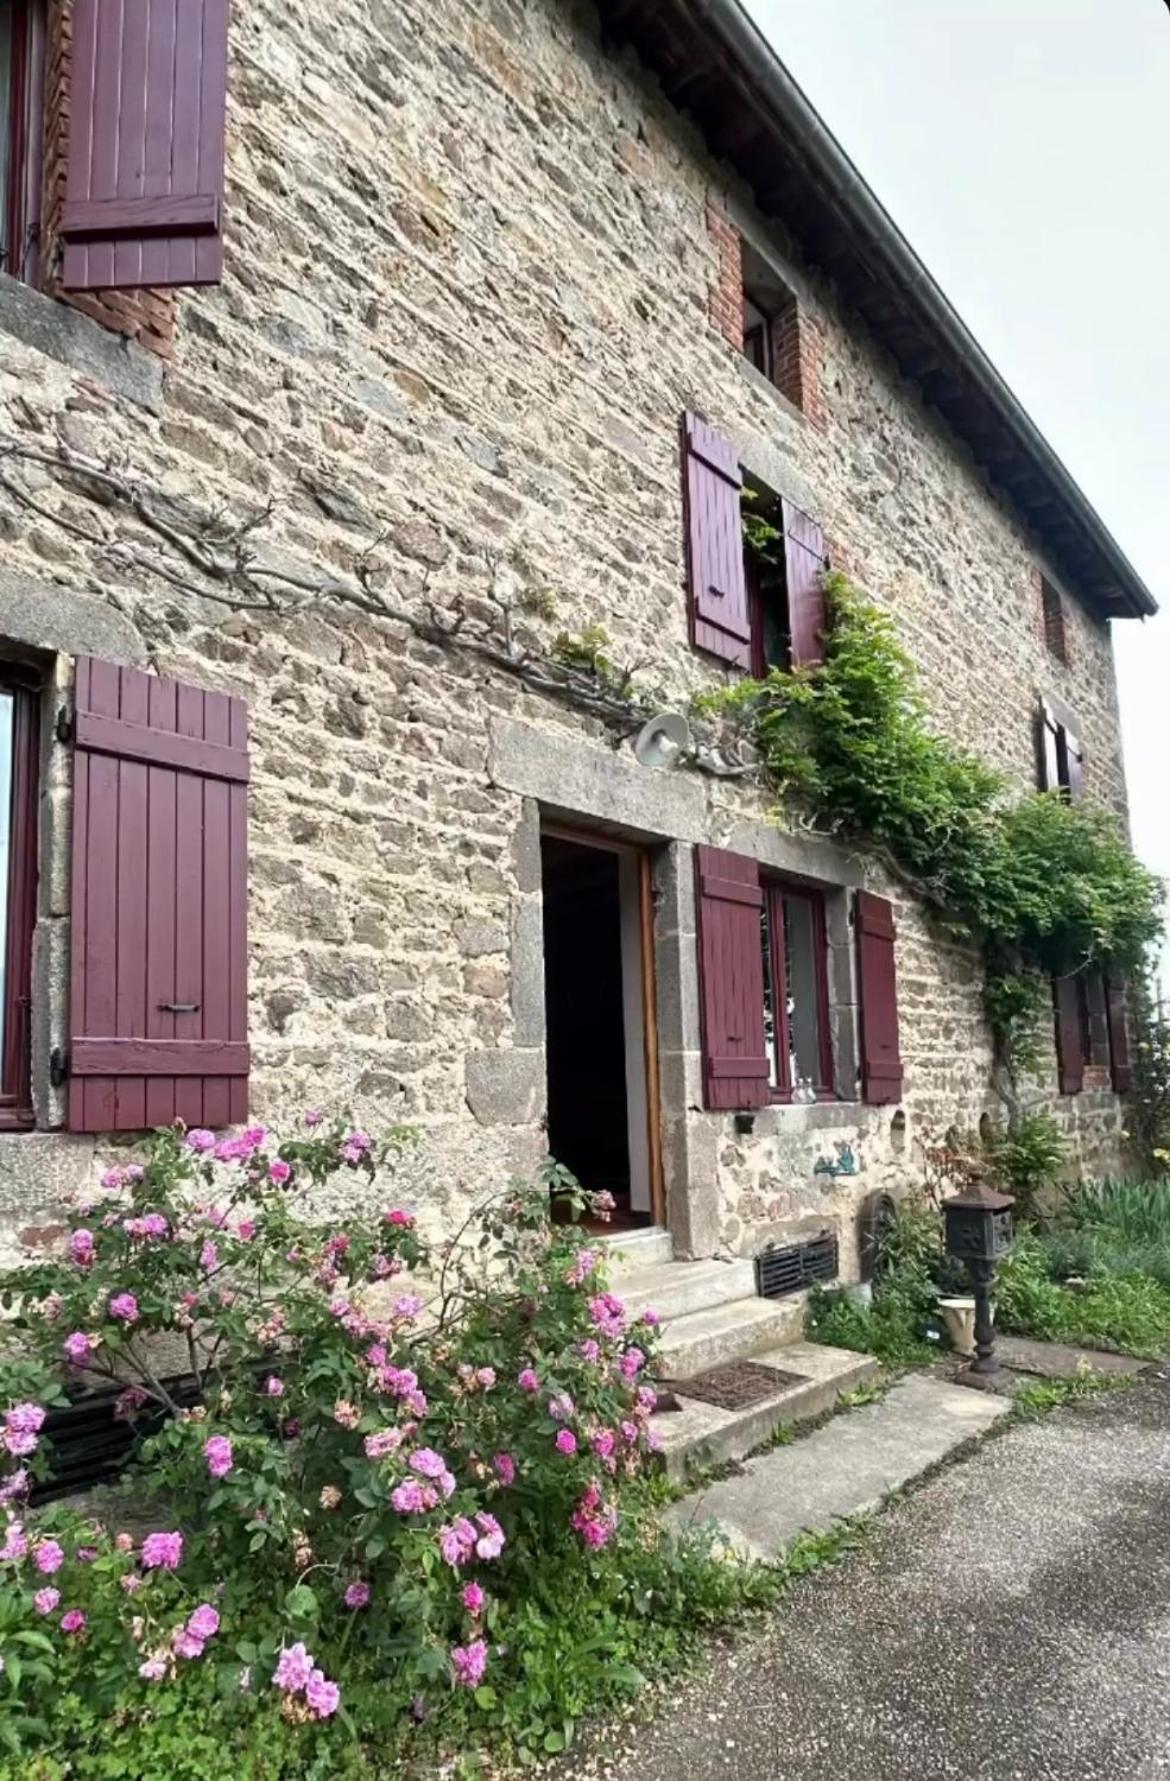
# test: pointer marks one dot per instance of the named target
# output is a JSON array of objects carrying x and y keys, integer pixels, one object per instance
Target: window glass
[
  {"x": 801, "y": 970},
  {"x": 757, "y": 341},
  {"x": 7, "y": 706}
]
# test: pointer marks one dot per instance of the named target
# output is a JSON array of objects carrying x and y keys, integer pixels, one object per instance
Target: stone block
[
  {"x": 61, "y": 333},
  {"x": 506, "y": 1087},
  {"x": 528, "y": 1011},
  {"x": 575, "y": 779},
  {"x": 39, "y": 1170},
  {"x": 47, "y": 616}
]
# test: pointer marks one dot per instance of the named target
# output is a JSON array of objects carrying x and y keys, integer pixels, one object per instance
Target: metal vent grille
[{"x": 796, "y": 1265}]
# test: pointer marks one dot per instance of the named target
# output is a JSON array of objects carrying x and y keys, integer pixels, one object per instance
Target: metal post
[{"x": 983, "y": 1279}]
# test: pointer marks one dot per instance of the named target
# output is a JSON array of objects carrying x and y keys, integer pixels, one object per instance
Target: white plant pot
[{"x": 959, "y": 1317}]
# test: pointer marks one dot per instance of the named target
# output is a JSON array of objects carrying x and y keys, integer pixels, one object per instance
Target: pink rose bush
[{"x": 364, "y": 1427}]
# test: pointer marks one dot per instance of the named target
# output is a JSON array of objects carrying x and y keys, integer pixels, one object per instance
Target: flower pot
[{"x": 959, "y": 1317}]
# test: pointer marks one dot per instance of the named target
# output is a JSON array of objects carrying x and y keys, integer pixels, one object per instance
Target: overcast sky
[{"x": 1023, "y": 147}]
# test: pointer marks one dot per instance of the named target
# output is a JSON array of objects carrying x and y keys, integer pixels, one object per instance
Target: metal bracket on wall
[{"x": 58, "y": 1067}]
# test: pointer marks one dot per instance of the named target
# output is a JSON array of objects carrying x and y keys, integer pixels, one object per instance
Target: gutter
[{"x": 758, "y": 63}]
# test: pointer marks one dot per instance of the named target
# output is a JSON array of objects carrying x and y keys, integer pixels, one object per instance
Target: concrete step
[
  {"x": 705, "y": 1339},
  {"x": 675, "y": 1288},
  {"x": 844, "y": 1469},
  {"x": 702, "y": 1435},
  {"x": 628, "y": 1251}
]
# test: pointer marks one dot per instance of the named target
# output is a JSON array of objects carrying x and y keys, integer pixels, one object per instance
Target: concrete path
[
  {"x": 845, "y": 1468},
  {"x": 1009, "y": 1621}
]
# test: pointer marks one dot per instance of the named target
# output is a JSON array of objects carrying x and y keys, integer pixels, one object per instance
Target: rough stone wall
[{"x": 468, "y": 290}]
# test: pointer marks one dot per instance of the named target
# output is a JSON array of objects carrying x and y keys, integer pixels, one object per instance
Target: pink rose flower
[
  {"x": 78, "y": 1347},
  {"x": 273, "y": 1386},
  {"x": 209, "y": 1257},
  {"x": 48, "y": 1556},
  {"x": 200, "y": 1140},
  {"x": 323, "y": 1696},
  {"x": 124, "y": 1307},
  {"x": 293, "y": 1670},
  {"x": 608, "y": 1315},
  {"x": 491, "y": 1541},
  {"x": 427, "y": 1463},
  {"x": 407, "y": 1307},
  {"x": 279, "y": 1172},
  {"x": 162, "y": 1552},
  {"x": 81, "y": 1248},
  {"x": 485, "y": 1377},
  {"x": 73, "y": 1621},
  {"x": 403, "y": 1220},
  {"x": 357, "y": 1595},
  {"x": 382, "y": 1442},
  {"x": 469, "y": 1663},
  {"x": 631, "y": 1363},
  {"x": 153, "y": 1670},
  {"x": 504, "y": 1467},
  {"x": 457, "y": 1542},
  {"x": 112, "y": 1180},
  {"x": 473, "y": 1598},
  {"x": 407, "y": 1498},
  {"x": 185, "y": 1644},
  {"x": 217, "y": 1451},
  {"x": 203, "y": 1623},
  {"x": 527, "y": 1380},
  {"x": 566, "y": 1441},
  {"x": 124, "y": 1542},
  {"x": 46, "y": 1600},
  {"x": 131, "y": 1582}
]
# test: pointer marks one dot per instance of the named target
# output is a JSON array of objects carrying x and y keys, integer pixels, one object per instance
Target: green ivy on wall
[{"x": 1042, "y": 885}]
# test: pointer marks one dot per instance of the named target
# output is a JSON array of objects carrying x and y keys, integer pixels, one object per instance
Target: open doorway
[{"x": 599, "y": 1003}]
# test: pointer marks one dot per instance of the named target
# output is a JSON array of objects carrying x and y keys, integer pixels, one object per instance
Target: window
[
  {"x": 22, "y": 73},
  {"x": 1052, "y": 606},
  {"x": 796, "y": 993},
  {"x": 1062, "y": 755},
  {"x": 766, "y": 574},
  {"x": 19, "y": 706},
  {"x": 757, "y": 335}
]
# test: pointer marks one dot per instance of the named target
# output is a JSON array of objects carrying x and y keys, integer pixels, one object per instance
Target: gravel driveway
[{"x": 1009, "y": 1621}]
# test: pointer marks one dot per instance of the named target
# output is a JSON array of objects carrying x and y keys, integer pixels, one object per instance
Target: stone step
[
  {"x": 844, "y": 1469},
  {"x": 675, "y": 1288},
  {"x": 703, "y": 1339},
  {"x": 702, "y": 1435},
  {"x": 628, "y": 1251}
]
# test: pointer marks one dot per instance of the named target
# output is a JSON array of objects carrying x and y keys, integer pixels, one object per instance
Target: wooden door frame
[{"x": 641, "y": 853}]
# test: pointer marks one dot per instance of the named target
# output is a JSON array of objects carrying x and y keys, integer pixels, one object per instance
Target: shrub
[
  {"x": 385, "y": 1523},
  {"x": 1125, "y": 1312},
  {"x": 1028, "y": 1157}
]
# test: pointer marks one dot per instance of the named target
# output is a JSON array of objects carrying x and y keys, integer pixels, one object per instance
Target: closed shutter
[
  {"x": 881, "y": 1059},
  {"x": 1118, "y": 1035},
  {"x": 144, "y": 186},
  {"x": 716, "y": 586},
  {"x": 1070, "y": 1048},
  {"x": 731, "y": 979},
  {"x": 1095, "y": 1021},
  {"x": 158, "y": 988},
  {"x": 804, "y": 561}
]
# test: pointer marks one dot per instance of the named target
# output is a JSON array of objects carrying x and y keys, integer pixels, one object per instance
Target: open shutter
[
  {"x": 158, "y": 1015},
  {"x": 1070, "y": 1045},
  {"x": 731, "y": 979},
  {"x": 1048, "y": 749},
  {"x": 1074, "y": 768},
  {"x": 804, "y": 561},
  {"x": 1118, "y": 1035},
  {"x": 881, "y": 1059},
  {"x": 144, "y": 186},
  {"x": 717, "y": 590}
]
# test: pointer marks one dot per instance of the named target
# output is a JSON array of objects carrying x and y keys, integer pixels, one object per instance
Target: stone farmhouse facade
[{"x": 306, "y": 462}]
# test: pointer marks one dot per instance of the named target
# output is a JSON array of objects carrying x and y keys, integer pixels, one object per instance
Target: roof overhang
[{"x": 714, "y": 63}]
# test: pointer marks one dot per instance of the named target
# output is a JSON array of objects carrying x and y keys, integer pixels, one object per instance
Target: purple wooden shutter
[
  {"x": 881, "y": 1059},
  {"x": 804, "y": 561},
  {"x": 1070, "y": 1044},
  {"x": 158, "y": 1016},
  {"x": 731, "y": 979},
  {"x": 1118, "y": 1035},
  {"x": 144, "y": 186},
  {"x": 712, "y": 481}
]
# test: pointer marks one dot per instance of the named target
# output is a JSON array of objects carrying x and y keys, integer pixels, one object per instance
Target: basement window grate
[{"x": 790, "y": 1268}]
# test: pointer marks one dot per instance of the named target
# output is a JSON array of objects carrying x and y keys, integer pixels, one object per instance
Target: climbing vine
[{"x": 1044, "y": 886}]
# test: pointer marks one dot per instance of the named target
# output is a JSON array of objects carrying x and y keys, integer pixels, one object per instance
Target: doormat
[{"x": 737, "y": 1385}]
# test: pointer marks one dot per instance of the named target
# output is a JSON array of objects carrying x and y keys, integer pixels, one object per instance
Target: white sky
[{"x": 1023, "y": 147}]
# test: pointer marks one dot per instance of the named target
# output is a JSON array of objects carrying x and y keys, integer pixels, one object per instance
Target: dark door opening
[{"x": 594, "y": 1006}]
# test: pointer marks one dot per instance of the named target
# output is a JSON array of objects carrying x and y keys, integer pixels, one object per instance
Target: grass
[
  {"x": 1042, "y": 1395},
  {"x": 1128, "y": 1313},
  {"x": 1120, "y": 1227},
  {"x": 892, "y": 1328}
]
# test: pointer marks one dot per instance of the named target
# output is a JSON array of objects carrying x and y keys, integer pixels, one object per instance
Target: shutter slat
[
  {"x": 1115, "y": 1005},
  {"x": 731, "y": 978},
  {"x": 717, "y": 587},
  {"x": 1070, "y": 1054},
  {"x": 881, "y": 1061},
  {"x": 159, "y": 905},
  {"x": 804, "y": 563},
  {"x": 144, "y": 190}
]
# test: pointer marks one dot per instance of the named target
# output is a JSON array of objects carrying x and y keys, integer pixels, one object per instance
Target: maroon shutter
[
  {"x": 158, "y": 1016},
  {"x": 1118, "y": 1035},
  {"x": 715, "y": 575},
  {"x": 1048, "y": 749},
  {"x": 144, "y": 187},
  {"x": 881, "y": 1060},
  {"x": 804, "y": 561},
  {"x": 1070, "y": 1045},
  {"x": 731, "y": 979},
  {"x": 1074, "y": 772}
]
